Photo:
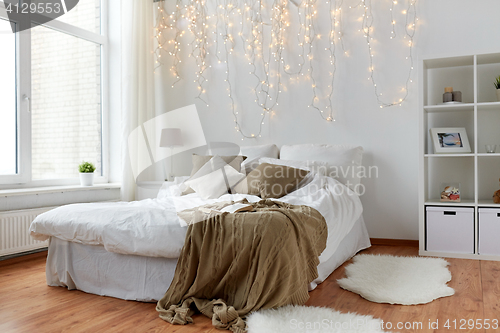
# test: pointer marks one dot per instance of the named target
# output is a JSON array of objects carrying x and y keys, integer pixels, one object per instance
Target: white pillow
[
  {"x": 344, "y": 162},
  {"x": 253, "y": 153},
  {"x": 215, "y": 163},
  {"x": 213, "y": 185}
]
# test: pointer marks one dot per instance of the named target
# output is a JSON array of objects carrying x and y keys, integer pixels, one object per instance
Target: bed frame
[{"x": 92, "y": 269}]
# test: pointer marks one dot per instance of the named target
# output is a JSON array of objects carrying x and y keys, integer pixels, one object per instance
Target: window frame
[{"x": 23, "y": 179}]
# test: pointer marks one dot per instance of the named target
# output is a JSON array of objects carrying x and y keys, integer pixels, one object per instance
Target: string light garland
[
  {"x": 160, "y": 36},
  {"x": 197, "y": 17},
  {"x": 410, "y": 24},
  {"x": 260, "y": 32},
  {"x": 171, "y": 46},
  {"x": 393, "y": 22}
]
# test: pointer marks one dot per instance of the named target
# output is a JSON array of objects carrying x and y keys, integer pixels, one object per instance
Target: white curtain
[{"x": 138, "y": 100}]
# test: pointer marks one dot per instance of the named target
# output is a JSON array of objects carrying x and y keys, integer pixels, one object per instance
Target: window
[
  {"x": 66, "y": 103},
  {"x": 52, "y": 84},
  {"x": 8, "y": 112}
]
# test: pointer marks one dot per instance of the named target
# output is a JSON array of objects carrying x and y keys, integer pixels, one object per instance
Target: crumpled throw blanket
[{"x": 233, "y": 264}]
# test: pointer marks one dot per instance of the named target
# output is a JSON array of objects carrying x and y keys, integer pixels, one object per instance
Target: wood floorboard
[
  {"x": 27, "y": 304},
  {"x": 490, "y": 278},
  {"x": 467, "y": 302}
]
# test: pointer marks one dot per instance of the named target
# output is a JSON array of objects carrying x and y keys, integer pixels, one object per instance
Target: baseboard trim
[
  {"x": 18, "y": 257},
  {"x": 394, "y": 242}
]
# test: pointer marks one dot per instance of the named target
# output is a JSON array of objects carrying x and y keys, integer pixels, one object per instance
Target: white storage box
[
  {"x": 489, "y": 231},
  {"x": 450, "y": 229}
]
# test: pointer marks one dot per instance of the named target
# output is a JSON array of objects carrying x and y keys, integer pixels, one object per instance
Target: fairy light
[
  {"x": 161, "y": 39},
  {"x": 338, "y": 23},
  {"x": 164, "y": 24},
  {"x": 393, "y": 22},
  {"x": 301, "y": 44},
  {"x": 234, "y": 33},
  {"x": 367, "y": 28},
  {"x": 198, "y": 23}
]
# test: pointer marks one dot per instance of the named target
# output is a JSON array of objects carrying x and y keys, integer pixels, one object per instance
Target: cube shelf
[{"x": 478, "y": 172}]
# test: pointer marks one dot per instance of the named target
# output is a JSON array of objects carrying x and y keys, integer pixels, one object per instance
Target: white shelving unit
[{"x": 478, "y": 172}]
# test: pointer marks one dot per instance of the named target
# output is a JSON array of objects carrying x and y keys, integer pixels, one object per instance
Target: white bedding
[
  {"x": 152, "y": 228},
  {"x": 92, "y": 269}
]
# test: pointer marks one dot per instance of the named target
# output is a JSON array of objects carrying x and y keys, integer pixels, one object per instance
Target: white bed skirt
[{"x": 92, "y": 269}]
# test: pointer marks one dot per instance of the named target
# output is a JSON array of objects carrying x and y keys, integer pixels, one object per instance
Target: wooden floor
[{"x": 27, "y": 304}]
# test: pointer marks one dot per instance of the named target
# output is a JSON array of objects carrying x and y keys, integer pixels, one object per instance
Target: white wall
[{"x": 390, "y": 135}]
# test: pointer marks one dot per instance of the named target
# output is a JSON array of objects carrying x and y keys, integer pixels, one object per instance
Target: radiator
[{"x": 14, "y": 231}]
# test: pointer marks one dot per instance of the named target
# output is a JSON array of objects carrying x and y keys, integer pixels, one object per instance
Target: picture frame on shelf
[
  {"x": 450, "y": 140},
  {"x": 450, "y": 192}
]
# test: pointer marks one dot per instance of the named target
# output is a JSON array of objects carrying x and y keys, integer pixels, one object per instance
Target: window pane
[
  {"x": 85, "y": 15},
  {"x": 8, "y": 113},
  {"x": 66, "y": 104}
]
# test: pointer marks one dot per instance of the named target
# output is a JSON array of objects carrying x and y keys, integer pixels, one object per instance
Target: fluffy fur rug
[
  {"x": 309, "y": 319},
  {"x": 398, "y": 280}
]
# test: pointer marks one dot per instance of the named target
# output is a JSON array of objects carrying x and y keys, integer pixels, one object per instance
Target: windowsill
[{"x": 58, "y": 189}]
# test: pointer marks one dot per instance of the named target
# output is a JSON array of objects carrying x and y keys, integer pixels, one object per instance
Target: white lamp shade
[{"x": 171, "y": 137}]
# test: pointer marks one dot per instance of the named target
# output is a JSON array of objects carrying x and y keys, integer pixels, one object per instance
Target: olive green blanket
[{"x": 233, "y": 264}]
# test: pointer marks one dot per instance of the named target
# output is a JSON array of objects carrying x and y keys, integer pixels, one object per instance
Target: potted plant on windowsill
[
  {"x": 497, "y": 85},
  {"x": 86, "y": 173}
]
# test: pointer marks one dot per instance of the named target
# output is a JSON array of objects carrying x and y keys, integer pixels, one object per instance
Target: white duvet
[{"x": 152, "y": 228}]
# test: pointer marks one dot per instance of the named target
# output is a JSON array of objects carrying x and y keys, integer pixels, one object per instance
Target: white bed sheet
[
  {"x": 151, "y": 227},
  {"x": 91, "y": 268}
]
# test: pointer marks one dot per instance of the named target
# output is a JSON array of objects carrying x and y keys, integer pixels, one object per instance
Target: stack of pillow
[
  {"x": 258, "y": 171},
  {"x": 212, "y": 176}
]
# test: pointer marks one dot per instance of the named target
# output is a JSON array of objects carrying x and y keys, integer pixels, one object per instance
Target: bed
[{"x": 129, "y": 250}]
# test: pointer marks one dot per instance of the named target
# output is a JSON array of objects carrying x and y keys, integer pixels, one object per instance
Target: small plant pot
[
  {"x": 86, "y": 178},
  {"x": 498, "y": 95}
]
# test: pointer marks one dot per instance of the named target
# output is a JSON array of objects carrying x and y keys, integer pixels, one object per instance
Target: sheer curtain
[{"x": 138, "y": 100}]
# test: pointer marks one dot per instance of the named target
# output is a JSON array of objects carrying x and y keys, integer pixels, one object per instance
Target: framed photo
[
  {"x": 450, "y": 192},
  {"x": 451, "y": 140}
]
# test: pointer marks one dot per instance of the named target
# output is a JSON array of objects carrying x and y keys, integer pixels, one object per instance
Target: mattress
[{"x": 92, "y": 269}]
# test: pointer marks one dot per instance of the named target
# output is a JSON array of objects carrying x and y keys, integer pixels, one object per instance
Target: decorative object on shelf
[
  {"x": 497, "y": 86},
  {"x": 86, "y": 173},
  {"x": 450, "y": 192},
  {"x": 450, "y": 140},
  {"x": 448, "y": 95},
  {"x": 451, "y": 96},
  {"x": 170, "y": 138},
  {"x": 457, "y": 96},
  {"x": 496, "y": 196},
  {"x": 490, "y": 148}
]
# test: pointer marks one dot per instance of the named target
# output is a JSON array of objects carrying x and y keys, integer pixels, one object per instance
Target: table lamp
[{"x": 170, "y": 138}]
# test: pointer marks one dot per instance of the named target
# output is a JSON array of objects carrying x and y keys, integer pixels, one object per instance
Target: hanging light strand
[
  {"x": 229, "y": 48},
  {"x": 176, "y": 41},
  {"x": 302, "y": 47},
  {"x": 261, "y": 31},
  {"x": 411, "y": 18},
  {"x": 160, "y": 36},
  {"x": 198, "y": 22},
  {"x": 393, "y": 22}
]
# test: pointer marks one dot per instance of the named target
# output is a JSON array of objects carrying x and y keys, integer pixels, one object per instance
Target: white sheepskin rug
[
  {"x": 310, "y": 319},
  {"x": 397, "y": 280}
]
